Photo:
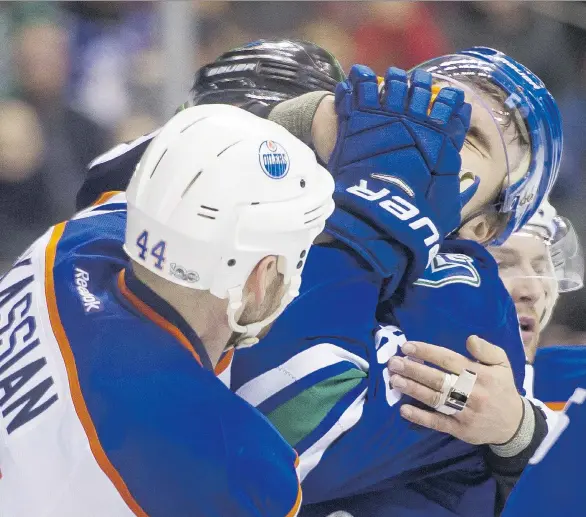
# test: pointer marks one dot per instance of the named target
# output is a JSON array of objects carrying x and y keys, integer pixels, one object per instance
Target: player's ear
[
  {"x": 262, "y": 276},
  {"x": 477, "y": 229}
]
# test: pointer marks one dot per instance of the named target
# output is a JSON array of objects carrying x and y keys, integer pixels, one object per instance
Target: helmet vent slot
[
  {"x": 192, "y": 124},
  {"x": 191, "y": 183},
  {"x": 155, "y": 167},
  {"x": 206, "y": 216},
  {"x": 320, "y": 214},
  {"x": 231, "y": 145}
]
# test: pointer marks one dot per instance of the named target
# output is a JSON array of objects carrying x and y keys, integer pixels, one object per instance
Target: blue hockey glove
[{"x": 396, "y": 164}]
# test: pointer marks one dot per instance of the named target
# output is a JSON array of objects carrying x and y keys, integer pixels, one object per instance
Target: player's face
[
  {"x": 486, "y": 149},
  {"x": 526, "y": 271}
]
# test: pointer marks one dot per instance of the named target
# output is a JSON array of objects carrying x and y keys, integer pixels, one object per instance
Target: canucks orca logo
[{"x": 274, "y": 160}]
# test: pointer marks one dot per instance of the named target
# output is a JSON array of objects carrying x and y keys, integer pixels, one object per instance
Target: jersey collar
[{"x": 151, "y": 305}]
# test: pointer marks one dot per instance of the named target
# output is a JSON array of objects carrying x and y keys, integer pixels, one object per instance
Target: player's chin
[{"x": 530, "y": 342}]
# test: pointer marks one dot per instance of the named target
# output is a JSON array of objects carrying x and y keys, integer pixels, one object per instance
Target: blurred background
[{"x": 78, "y": 77}]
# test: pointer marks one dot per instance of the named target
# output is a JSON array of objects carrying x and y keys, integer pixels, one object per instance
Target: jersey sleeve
[
  {"x": 553, "y": 483},
  {"x": 559, "y": 370},
  {"x": 174, "y": 440},
  {"x": 192, "y": 448},
  {"x": 111, "y": 170}
]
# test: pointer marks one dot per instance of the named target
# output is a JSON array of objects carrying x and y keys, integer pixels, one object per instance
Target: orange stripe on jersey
[
  {"x": 156, "y": 318},
  {"x": 556, "y": 406},
  {"x": 74, "y": 387},
  {"x": 224, "y": 362},
  {"x": 295, "y": 510},
  {"x": 105, "y": 197}
]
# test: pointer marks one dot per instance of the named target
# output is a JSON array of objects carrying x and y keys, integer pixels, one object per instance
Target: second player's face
[{"x": 526, "y": 271}]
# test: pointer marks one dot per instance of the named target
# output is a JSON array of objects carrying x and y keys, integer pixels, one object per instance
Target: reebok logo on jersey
[{"x": 90, "y": 302}]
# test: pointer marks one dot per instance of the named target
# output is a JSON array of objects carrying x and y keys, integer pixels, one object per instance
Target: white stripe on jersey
[
  {"x": 349, "y": 418},
  {"x": 93, "y": 210},
  {"x": 311, "y": 360},
  {"x": 120, "y": 149}
]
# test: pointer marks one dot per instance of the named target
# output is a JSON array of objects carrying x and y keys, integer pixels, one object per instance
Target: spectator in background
[
  {"x": 25, "y": 210},
  {"x": 515, "y": 28},
  {"x": 71, "y": 139},
  {"x": 44, "y": 144},
  {"x": 401, "y": 33},
  {"x": 109, "y": 43}
]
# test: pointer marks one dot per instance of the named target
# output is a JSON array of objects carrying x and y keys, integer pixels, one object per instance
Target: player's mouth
[{"x": 528, "y": 326}]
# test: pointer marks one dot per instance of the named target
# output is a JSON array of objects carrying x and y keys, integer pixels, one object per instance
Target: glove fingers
[
  {"x": 364, "y": 84},
  {"x": 443, "y": 192},
  {"x": 419, "y": 94},
  {"x": 448, "y": 101},
  {"x": 343, "y": 99},
  {"x": 459, "y": 125},
  {"x": 395, "y": 92},
  {"x": 464, "y": 115}
]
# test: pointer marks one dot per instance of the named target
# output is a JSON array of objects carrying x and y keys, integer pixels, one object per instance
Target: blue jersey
[
  {"x": 321, "y": 378},
  {"x": 553, "y": 482},
  {"x": 112, "y": 170},
  {"x": 109, "y": 402},
  {"x": 460, "y": 294},
  {"x": 558, "y": 371},
  {"x": 424, "y": 498}
]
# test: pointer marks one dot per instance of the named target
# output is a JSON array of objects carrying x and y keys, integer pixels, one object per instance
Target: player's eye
[
  {"x": 503, "y": 263},
  {"x": 540, "y": 268},
  {"x": 473, "y": 146}
]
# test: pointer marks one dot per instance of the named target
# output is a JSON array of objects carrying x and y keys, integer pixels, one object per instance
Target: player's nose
[{"x": 527, "y": 290}]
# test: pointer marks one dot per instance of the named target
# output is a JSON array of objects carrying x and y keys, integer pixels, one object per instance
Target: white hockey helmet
[
  {"x": 565, "y": 249},
  {"x": 218, "y": 190},
  {"x": 564, "y": 269}
]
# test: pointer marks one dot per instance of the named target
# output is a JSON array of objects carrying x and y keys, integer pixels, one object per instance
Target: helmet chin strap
[{"x": 250, "y": 331}]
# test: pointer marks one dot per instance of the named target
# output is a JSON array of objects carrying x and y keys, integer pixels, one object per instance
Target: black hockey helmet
[{"x": 268, "y": 71}]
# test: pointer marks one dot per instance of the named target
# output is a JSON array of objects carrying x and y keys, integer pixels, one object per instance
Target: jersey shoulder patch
[{"x": 450, "y": 268}]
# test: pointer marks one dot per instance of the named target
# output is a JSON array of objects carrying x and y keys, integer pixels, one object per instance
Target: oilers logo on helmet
[{"x": 274, "y": 160}]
